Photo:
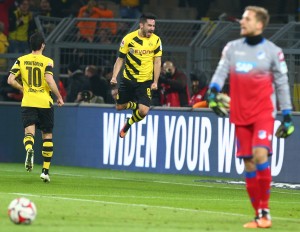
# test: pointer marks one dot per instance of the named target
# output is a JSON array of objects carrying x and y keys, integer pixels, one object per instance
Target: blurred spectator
[
  {"x": 34, "y": 5},
  {"x": 62, "y": 90},
  {"x": 202, "y": 6},
  {"x": 66, "y": 8},
  {"x": 122, "y": 29},
  {"x": 199, "y": 89},
  {"x": 77, "y": 82},
  {"x": 103, "y": 36},
  {"x": 87, "y": 96},
  {"x": 98, "y": 84},
  {"x": 3, "y": 47},
  {"x": 87, "y": 29},
  {"x": 21, "y": 25},
  {"x": 5, "y": 7},
  {"x": 7, "y": 92},
  {"x": 44, "y": 9},
  {"x": 174, "y": 88},
  {"x": 130, "y": 9},
  {"x": 107, "y": 14}
]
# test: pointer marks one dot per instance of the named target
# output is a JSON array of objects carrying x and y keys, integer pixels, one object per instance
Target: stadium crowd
[{"x": 17, "y": 24}]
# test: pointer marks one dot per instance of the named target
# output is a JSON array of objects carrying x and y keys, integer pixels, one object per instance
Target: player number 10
[{"x": 34, "y": 76}]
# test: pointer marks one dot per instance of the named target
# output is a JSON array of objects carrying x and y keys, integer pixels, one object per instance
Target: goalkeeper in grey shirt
[{"x": 257, "y": 73}]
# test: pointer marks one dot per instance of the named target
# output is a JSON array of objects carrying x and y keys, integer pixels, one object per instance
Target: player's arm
[
  {"x": 117, "y": 67},
  {"x": 156, "y": 71},
  {"x": 13, "y": 82},
  {"x": 283, "y": 92},
  {"x": 54, "y": 89},
  {"x": 219, "y": 103}
]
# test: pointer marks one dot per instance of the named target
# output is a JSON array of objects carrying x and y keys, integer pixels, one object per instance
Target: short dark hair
[
  {"x": 146, "y": 16},
  {"x": 36, "y": 40}
]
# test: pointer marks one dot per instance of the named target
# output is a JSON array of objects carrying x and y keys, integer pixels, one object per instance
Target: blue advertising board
[{"x": 176, "y": 141}]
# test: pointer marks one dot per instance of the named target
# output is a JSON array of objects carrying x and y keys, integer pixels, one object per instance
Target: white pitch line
[
  {"x": 163, "y": 182},
  {"x": 149, "y": 206}
]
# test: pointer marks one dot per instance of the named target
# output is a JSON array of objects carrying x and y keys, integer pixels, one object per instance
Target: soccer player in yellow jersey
[
  {"x": 141, "y": 50},
  {"x": 36, "y": 71}
]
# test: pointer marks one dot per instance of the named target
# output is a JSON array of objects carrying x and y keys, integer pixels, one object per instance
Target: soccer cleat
[
  {"x": 45, "y": 177},
  {"x": 264, "y": 220},
  {"x": 125, "y": 128},
  {"x": 29, "y": 160},
  {"x": 252, "y": 225}
]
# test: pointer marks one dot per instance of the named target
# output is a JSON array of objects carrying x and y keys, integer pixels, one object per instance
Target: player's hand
[
  {"x": 286, "y": 128},
  {"x": 113, "y": 82},
  {"x": 154, "y": 86},
  {"x": 60, "y": 102},
  {"x": 218, "y": 102}
]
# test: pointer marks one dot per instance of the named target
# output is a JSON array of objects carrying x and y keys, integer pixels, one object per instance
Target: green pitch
[{"x": 93, "y": 200}]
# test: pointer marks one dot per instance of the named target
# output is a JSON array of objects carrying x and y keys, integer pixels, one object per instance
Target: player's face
[
  {"x": 148, "y": 28},
  {"x": 249, "y": 24}
]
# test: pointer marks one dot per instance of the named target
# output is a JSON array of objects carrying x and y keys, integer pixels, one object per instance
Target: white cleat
[
  {"x": 45, "y": 177},
  {"x": 29, "y": 160}
]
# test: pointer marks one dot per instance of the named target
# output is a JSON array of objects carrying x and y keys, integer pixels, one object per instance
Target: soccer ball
[{"x": 22, "y": 211}]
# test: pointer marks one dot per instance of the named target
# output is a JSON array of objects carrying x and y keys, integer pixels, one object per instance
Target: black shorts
[
  {"x": 139, "y": 92},
  {"x": 43, "y": 118}
]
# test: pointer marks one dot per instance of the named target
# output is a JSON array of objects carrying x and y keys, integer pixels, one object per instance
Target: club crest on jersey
[
  {"x": 261, "y": 55},
  {"x": 244, "y": 67}
]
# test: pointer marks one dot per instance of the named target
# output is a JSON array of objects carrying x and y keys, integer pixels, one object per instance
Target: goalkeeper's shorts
[{"x": 258, "y": 134}]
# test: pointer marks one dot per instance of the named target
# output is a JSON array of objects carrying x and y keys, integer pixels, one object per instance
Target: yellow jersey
[
  {"x": 32, "y": 68},
  {"x": 139, "y": 53}
]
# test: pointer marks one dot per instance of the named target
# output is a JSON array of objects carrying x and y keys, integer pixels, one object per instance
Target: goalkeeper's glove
[
  {"x": 218, "y": 102},
  {"x": 286, "y": 128}
]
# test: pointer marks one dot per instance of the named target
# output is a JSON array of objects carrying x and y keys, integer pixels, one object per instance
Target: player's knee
[
  {"x": 120, "y": 107},
  {"x": 143, "y": 112}
]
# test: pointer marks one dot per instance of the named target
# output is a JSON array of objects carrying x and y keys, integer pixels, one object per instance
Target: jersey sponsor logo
[
  {"x": 140, "y": 51},
  {"x": 244, "y": 67},
  {"x": 31, "y": 90}
]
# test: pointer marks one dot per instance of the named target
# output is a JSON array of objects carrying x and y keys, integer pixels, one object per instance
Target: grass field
[{"x": 88, "y": 200}]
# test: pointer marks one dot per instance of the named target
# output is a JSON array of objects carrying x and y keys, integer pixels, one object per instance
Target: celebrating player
[
  {"x": 142, "y": 52},
  {"x": 256, "y": 69}
]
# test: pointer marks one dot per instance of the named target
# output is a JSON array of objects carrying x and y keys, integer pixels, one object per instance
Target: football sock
[
  {"x": 264, "y": 181},
  {"x": 28, "y": 141},
  {"x": 131, "y": 105},
  {"x": 47, "y": 153},
  {"x": 136, "y": 117},
  {"x": 253, "y": 189}
]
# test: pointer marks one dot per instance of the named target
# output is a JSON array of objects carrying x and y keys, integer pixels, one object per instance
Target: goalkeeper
[{"x": 257, "y": 74}]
